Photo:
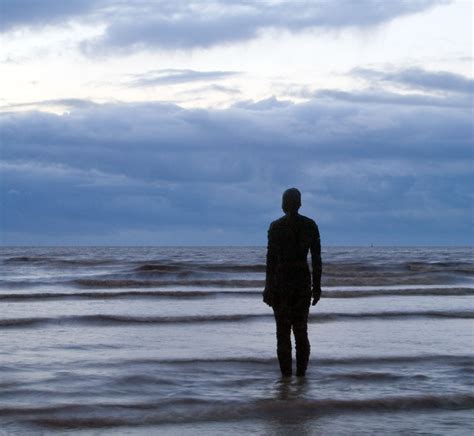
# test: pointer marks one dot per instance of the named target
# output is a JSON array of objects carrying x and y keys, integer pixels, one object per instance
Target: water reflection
[{"x": 289, "y": 414}]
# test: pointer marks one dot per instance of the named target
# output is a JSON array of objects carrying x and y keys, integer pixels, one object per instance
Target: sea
[{"x": 177, "y": 341}]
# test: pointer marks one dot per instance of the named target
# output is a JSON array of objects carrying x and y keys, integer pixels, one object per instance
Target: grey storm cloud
[
  {"x": 206, "y": 24},
  {"x": 176, "y": 76},
  {"x": 420, "y": 79},
  {"x": 27, "y": 13},
  {"x": 391, "y": 173},
  {"x": 200, "y": 24},
  {"x": 380, "y": 96}
]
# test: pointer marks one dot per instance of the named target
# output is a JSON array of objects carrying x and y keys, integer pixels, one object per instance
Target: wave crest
[
  {"x": 178, "y": 410},
  {"x": 104, "y": 319},
  {"x": 130, "y": 283}
]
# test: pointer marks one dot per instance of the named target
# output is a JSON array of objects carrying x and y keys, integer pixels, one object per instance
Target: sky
[{"x": 182, "y": 122}]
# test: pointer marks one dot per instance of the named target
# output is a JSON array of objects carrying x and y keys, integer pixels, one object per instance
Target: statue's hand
[
  {"x": 267, "y": 297},
  {"x": 316, "y": 294}
]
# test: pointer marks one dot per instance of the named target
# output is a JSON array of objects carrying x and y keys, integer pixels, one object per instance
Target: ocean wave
[
  {"x": 373, "y": 376},
  {"x": 189, "y": 410},
  {"x": 152, "y": 266},
  {"x": 193, "y": 279},
  {"x": 103, "y": 319},
  {"x": 130, "y": 283},
  {"x": 110, "y": 320},
  {"x": 239, "y": 283},
  {"x": 164, "y": 278},
  {"x": 41, "y": 296},
  {"x": 362, "y": 271},
  {"x": 442, "y": 291},
  {"x": 19, "y": 284},
  {"x": 378, "y": 404},
  {"x": 323, "y": 317},
  {"x": 55, "y": 261},
  {"x": 322, "y": 376},
  {"x": 467, "y": 360},
  {"x": 25, "y": 259},
  {"x": 354, "y": 268},
  {"x": 461, "y": 267},
  {"x": 165, "y": 268},
  {"x": 142, "y": 379},
  {"x": 329, "y": 267},
  {"x": 192, "y": 266},
  {"x": 386, "y": 279},
  {"x": 97, "y": 295},
  {"x": 327, "y": 365}
]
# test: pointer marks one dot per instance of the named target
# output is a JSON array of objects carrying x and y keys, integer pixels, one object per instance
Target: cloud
[
  {"x": 30, "y": 13},
  {"x": 207, "y": 24},
  {"x": 418, "y": 81},
  {"x": 212, "y": 88},
  {"x": 369, "y": 173},
  {"x": 262, "y": 105},
  {"x": 200, "y": 24},
  {"x": 421, "y": 79},
  {"x": 177, "y": 76},
  {"x": 382, "y": 97},
  {"x": 62, "y": 102}
]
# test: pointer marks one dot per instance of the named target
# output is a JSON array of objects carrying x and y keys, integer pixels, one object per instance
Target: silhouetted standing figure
[{"x": 288, "y": 288}]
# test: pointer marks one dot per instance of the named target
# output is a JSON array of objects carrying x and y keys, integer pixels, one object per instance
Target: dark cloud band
[
  {"x": 171, "y": 25},
  {"x": 390, "y": 172},
  {"x": 421, "y": 79}
]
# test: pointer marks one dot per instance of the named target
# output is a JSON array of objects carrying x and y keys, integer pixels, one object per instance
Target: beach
[{"x": 177, "y": 340}]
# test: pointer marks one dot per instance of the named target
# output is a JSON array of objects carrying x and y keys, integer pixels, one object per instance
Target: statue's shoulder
[
  {"x": 278, "y": 224},
  {"x": 308, "y": 222}
]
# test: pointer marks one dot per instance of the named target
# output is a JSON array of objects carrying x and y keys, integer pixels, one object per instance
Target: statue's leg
[
  {"x": 283, "y": 334},
  {"x": 300, "y": 330}
]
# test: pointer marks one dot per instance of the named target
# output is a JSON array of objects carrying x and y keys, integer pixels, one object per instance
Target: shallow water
[{"x": 177, "y": 340}]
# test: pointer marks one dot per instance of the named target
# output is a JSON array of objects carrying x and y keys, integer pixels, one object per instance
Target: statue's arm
[
  {"x": 270, "y": 279},
  {"x": 316, "y": 264}
]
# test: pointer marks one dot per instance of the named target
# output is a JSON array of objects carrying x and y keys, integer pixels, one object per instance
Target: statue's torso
[{"x": 292, "y": 240}]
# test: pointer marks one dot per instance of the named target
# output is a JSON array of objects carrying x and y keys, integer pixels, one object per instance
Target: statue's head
[{"x": 291, "y": 201}]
